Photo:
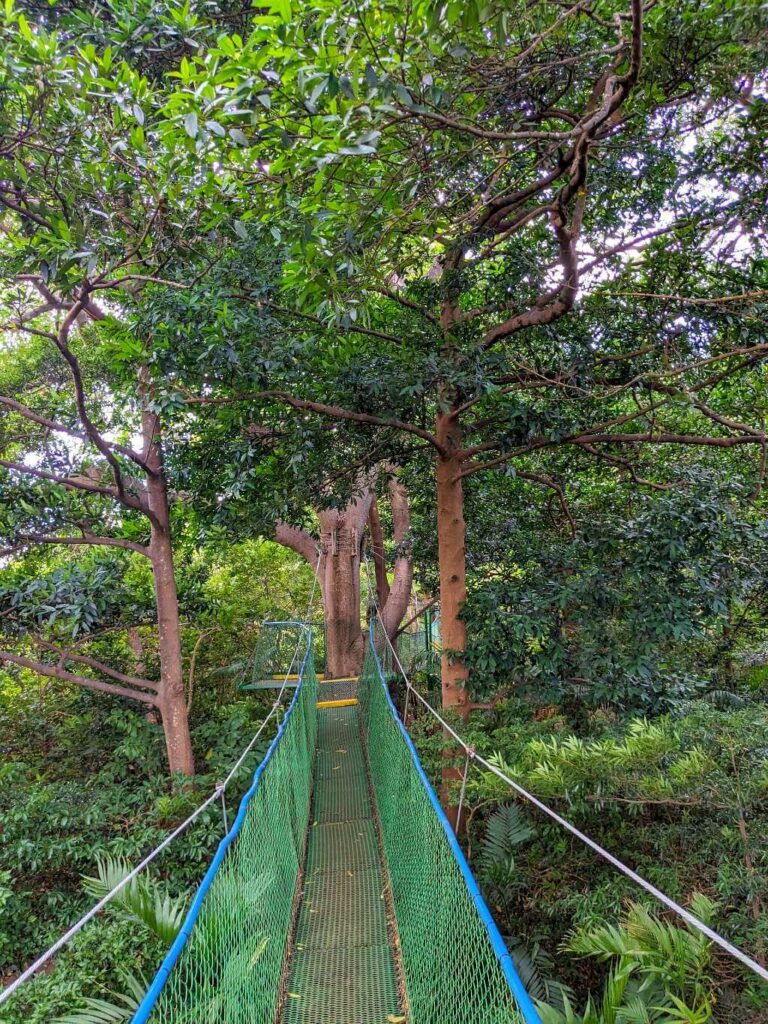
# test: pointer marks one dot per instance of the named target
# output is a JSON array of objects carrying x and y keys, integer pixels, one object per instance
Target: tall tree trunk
[
  {"x": 377, "y": 553},
  {"x": 451, "y": 534},
  {"x": 171, "y": 702},
  {"x": 341, "y": 538}
]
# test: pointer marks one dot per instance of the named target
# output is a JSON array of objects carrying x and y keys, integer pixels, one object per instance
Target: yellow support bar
[
  {"x": 339, "y": 679},
  {"x": 347, "y": 703},
  {"x": 294, "y": 676}
]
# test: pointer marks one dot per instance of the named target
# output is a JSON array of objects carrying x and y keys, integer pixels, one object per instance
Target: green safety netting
[
  {"x": 227, "y": 963},
  {"x": 455, "y": 965},
  {"x": 340, "y": 896}
]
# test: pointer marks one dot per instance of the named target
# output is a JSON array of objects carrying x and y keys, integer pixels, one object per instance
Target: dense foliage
[{"x": 258, "y": 260}]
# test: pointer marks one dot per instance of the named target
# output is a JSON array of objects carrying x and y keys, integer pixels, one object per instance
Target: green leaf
[
  {"x": 282, "y": 8},
  {"x": 190, "y": 124},
  {"x": 239, "y": 137}
]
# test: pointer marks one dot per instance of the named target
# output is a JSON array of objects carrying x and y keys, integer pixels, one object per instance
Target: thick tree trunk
[
  {"x": 171, "y": 702},
  {"x": 341, "y": 540},
  {"x": 451, "y": 532},
  {"x": 341, "y": 537}
]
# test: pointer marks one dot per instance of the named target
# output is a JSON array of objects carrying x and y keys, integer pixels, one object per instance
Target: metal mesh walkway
[
  {"x": 342, "y": 970},
  {"x": 267, "y": 942}
]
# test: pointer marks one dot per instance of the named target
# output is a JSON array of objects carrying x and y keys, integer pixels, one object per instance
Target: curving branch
[
  {"x": 77, "y": 483},
  {"x": 323, "y": 409},
  {"x": 65, "y": 654},
  {"x": 87, "y": 539},
  {"x": 298, "y": 540},
  {"x": 61, "y": 342},
  {"x": 57, "y": 672},
  {"x": 547, "y": 481},
  {"x": 377, "y": 551},
  {"x": 396, "y": 605},
  {"x": 60, "y": 428}
]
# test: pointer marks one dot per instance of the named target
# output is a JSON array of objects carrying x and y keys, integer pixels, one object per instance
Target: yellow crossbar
[
  {"x": 348, "y": 702},
  {"x": 281, "y": 677}
]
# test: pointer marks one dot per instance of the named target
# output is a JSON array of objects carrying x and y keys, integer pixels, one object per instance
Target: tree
[
  {"x": 67, "y": 485},
  {"x": 337, "y": 559},
  {"x": 248, "y": 468},
  {"x": 447, "y": 185},
  {"x": 102, "y": 186},
  {"x": 85, "y": 218}
]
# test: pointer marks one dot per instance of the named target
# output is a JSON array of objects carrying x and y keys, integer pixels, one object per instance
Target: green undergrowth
[
  {"x": 82, "y": 778},
  {"x": 680, "y": 798}
]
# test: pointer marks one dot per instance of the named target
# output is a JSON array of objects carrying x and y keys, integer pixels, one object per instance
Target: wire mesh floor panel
[
  {"x": 343, "y": 907},
  {"x": 342, "y": 798},
  {"x": 351, "y": 843},
  {"x": 338, "y": 727},
  {"x": 332, "y": 689},
  {"x": 344, "y": 760},
  {"x": 343, "y": 985},
  {"x": 342, "y": 969}
]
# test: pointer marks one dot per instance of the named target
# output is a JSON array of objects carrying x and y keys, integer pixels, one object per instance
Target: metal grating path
[{"x": 342, "y": 968}]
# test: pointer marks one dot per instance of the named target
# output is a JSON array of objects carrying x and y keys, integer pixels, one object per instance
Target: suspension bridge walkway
[{"x": 340, "y": 894}]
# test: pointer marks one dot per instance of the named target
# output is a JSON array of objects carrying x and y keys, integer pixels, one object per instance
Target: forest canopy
[{"x": 447, "y": 315}]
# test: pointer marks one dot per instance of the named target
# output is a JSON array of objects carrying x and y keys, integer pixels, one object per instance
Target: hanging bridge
[{"x": 340, "y": 895}]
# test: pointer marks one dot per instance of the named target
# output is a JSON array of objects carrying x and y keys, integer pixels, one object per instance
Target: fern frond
[{"x": 506, "y": 829}]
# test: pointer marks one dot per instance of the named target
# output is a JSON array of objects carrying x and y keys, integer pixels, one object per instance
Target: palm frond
[
  {"x": 141, "y": 900},
  {"x": 100, "y": 1011}
]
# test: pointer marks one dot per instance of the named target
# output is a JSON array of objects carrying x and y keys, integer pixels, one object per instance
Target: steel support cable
[
  {"x": 217, "y": 794},
  {"x": 662, "y": 897}
]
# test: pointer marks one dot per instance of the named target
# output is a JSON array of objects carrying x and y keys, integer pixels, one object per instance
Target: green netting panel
[
  {"x": 454, "y": 964},
  {"x": 273, "y": 654},
  {"x": 416, "y": 653},
  {"x": 230, "y": 970}
]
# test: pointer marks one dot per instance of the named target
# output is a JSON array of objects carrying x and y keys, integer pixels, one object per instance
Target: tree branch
[
  {"x": 76, "y": 482},
  {"x": 66, "y": 654},
  {"x": 407, "y": 303},
  {"x": 55, "y": 672},
  {"x": 547, "y": 481},
  {"x": 60, "y": 428},
  {"x": 297, "y": 540},
  {"x": 87, "y": 539},
  {"x": 332, "y": 411}
]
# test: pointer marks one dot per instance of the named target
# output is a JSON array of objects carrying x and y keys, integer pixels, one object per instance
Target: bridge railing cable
[
  {"x": 473, "y": 757},
  {"x": 219, "y": 793}
]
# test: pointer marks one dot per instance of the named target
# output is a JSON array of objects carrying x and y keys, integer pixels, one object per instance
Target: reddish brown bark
[
  {"x": 338, "y": 569},
  {"x": 394, "y": 608},
  {"x": 338, "y": 572},
  {"x": 341, "y": 538},
  {"x": 377, "y": 554},
  {"x": 170, "y": 699},
  {"x": 451, "y": 536}
]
